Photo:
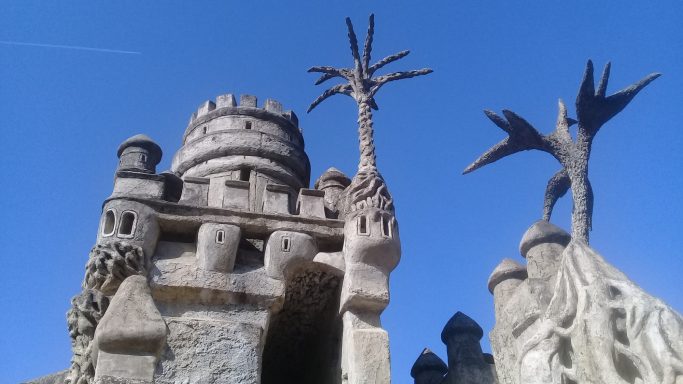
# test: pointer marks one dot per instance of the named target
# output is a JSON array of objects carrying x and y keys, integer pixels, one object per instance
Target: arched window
[
  {"x": 109, "y": 223},
  {"x": 127, "y": 226},
  {"x": 143, "y": 157}
]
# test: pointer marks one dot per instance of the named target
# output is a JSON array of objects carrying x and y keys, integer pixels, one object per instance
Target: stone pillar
[
  {"x": 371, "y": 250},
  {"x": 428, "y": 368},
  {"x": 466, "y": 363},
  {"x": 130, "y": 336}
]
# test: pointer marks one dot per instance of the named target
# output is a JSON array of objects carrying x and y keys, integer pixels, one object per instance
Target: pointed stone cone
[
  {"x": 132, "y": 323},
  {"x": 130, "y": 336},
  {"x": 428, "y": 368}
]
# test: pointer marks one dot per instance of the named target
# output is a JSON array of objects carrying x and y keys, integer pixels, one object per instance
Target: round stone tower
[{"x": 244, "y": 143}]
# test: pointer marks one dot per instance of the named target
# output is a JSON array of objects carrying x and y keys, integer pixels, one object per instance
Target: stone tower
[{"x": 228, "y": 269}]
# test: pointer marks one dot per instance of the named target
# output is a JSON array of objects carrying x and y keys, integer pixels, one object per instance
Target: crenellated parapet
[
  {"x": 230, "y": 141},
  {"x": 271, "y": 110}
]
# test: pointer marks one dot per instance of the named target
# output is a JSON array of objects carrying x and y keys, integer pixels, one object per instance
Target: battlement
[{"x": 245, "y": 102}]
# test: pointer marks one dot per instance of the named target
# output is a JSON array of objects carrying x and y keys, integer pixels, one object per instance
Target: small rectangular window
[
  {"x": 286, "y": 244},
  {"x": 363, "y": 228},
  {"x": 386, "y": 227},
  {"x": 247, "y": 125},
  {"x": 220, "y": 236}
]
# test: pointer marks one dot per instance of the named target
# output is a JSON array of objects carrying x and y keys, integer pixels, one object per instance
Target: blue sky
[{"x": 64, "y": 112}]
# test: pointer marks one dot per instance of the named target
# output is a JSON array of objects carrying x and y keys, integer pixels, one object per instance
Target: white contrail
[{"x": 70, "y": 47}]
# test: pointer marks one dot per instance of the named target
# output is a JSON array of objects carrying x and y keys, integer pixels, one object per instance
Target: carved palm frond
[
  {"x": 359, "y": 77},
  {"x": 522, "y": 136},
  {"x": 593, "y": 108}
]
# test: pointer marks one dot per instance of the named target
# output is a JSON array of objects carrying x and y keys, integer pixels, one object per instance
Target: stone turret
[
  {"x": 139, "y": 154},
  {"x": 466, "y": 361},
  {"x": 467, "y": 364},
  {"x": 333, "y": 182},
  {"x": 253, "y": 146}
]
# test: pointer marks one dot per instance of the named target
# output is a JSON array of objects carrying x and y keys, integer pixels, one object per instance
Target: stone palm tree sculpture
[
  {"x": 367, "y": 187},
  {"x": 593, "y": 110}
]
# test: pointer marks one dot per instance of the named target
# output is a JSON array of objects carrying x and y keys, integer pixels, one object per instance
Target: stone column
[{"x": 371, "y": 251}]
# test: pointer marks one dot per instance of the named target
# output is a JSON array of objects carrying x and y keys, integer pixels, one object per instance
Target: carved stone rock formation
[
  {"x": 130, "y": 335},
  {"x": 367, "y": 190},
  {"x": 107, "y": 267},
  {"x": 577, "y": 319},
  {"x": 109, "y": 264},
  {"x": 87, "y": 308}
]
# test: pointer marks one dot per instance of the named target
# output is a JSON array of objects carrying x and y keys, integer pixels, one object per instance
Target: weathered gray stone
[
  {"x": 207, "y": 352},
  {"x": 131, "y": 334},
  {"x": 236, "y": 195},
  {"x": 53, "y": 378},
  {"x": 332, "y": 182},
  {"x": 139, "y": 154},
  {"x": 138, "y": 184},
  {"x": 227, "y": 100},
  {"x": 276, "y": 199},
  {"x": 578, "y": 319},
  {"x": 217, "y": 246},
  {"x": 286, "y": 251},
  {"x": 311, "y": 203}
]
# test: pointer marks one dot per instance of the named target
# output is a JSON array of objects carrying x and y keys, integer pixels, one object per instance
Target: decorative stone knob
[
  {"x": 428, "y": 368},
  {"x": 508, "y": 269}
]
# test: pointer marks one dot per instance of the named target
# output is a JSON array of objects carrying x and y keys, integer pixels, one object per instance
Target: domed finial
[
  {"x": 428, "y": 363},
  {"x": 139, "y": 154},
  {"x": 332, "y": 178},
  {"x": 460, "y": 323},
  {"x": 540, "y": 233},
  {"x": 507, "y": 269}
]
